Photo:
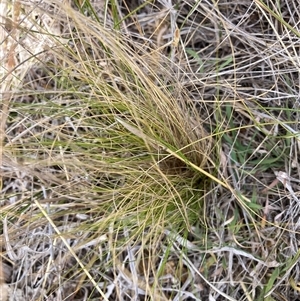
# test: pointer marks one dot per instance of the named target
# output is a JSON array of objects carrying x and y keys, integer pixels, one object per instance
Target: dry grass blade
[{"x": 69, "y": 248}]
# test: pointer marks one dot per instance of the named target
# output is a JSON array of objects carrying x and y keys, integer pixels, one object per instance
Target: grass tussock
[{"x": 149, "y": 150}]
